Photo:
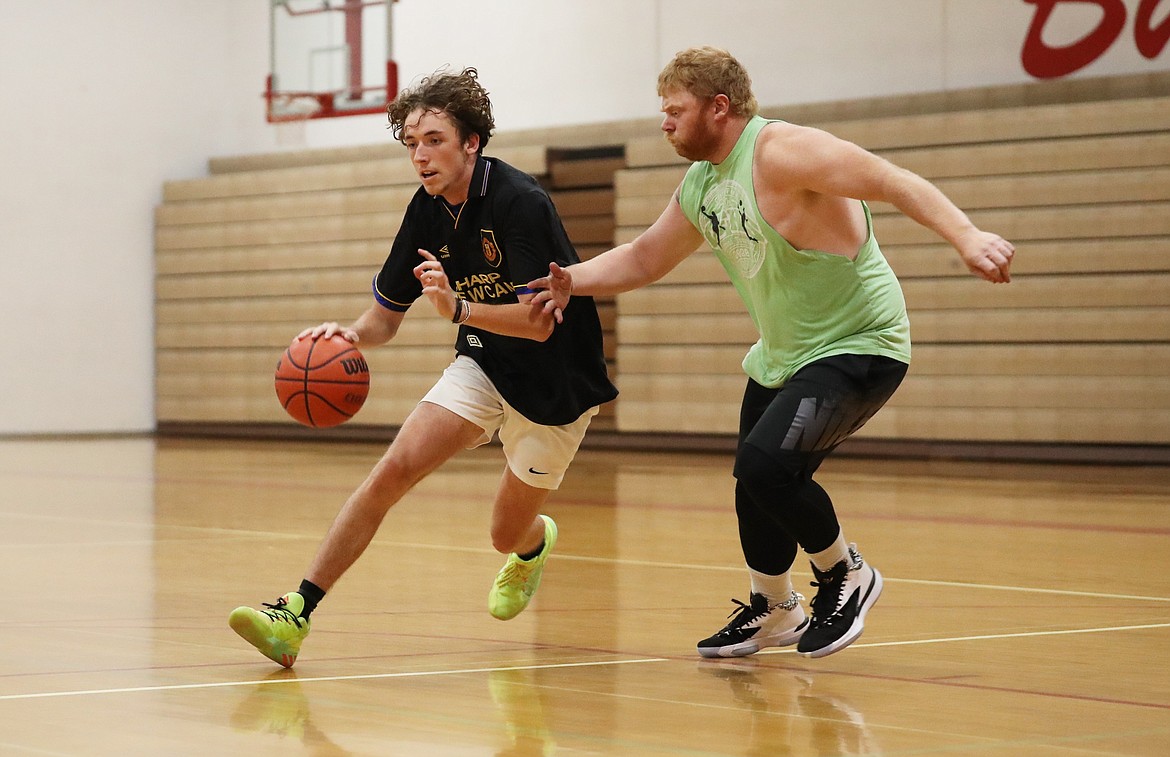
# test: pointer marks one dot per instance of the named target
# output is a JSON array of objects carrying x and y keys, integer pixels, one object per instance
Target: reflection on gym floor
[{"x": 125, "y": 556}]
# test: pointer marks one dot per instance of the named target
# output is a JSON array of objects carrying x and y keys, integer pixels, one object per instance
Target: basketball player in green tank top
[{"x": 784, "y": 209}]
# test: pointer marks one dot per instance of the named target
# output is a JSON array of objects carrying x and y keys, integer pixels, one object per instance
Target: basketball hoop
[{"x": 329, "y": 58}]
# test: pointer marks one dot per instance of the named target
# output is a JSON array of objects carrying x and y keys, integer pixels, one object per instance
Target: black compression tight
[{"x": 785, "y": 434}]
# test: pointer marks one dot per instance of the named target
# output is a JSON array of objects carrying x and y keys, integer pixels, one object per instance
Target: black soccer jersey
[{"x": 502, "y": 237}]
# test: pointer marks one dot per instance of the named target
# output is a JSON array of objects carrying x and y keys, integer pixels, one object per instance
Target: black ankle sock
[
  {"x": 312, "y": 593},
  {"x": 533, "y": 554}
]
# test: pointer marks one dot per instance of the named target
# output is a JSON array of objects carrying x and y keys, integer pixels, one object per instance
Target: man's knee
[{"x": 761, "y": 472}]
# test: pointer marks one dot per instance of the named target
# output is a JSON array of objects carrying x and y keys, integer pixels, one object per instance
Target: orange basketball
[{"x": 322, "y": 382}]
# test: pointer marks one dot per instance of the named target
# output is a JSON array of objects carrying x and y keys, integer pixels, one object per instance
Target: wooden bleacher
[
  {"x": 264, "y": 247},
  {"x": 1075, "y": 351}
]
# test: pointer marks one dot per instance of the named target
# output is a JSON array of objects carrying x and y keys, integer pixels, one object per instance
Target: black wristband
[{"x": 461, "y": 311}]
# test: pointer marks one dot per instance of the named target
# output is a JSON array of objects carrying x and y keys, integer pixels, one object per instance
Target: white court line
[
  {"x": 887, "y": 579},
  {"x": 244, "y": 534},
  {"x": 546, "y": 666},
  {"x": 991, "y": 637},
  {"x": 739, "y": 569},
  {"x": 999, "y": 587},
  {"x": 359, "y": 677}
]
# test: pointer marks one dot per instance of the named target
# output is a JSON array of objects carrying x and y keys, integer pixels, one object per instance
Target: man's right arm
[
  {"x": 653, "y": 254},
  {"x": 376, "y": 326}
]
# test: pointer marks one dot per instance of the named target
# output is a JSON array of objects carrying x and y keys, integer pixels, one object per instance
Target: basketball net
[{"x": 292, "y": 107}]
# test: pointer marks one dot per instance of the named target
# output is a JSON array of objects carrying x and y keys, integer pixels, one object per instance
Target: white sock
[
  {"x": 827, "y": 558},
  {"x": 776, "y": 588}
]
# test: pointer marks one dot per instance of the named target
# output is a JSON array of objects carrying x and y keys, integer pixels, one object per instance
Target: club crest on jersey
[{"x": 491, "y": 250}]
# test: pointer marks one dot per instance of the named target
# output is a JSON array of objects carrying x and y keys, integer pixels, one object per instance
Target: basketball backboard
[{"x": 329, "y": 58}]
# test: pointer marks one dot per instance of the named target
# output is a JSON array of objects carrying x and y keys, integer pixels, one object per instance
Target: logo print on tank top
[{"x": 731, "y": 227}]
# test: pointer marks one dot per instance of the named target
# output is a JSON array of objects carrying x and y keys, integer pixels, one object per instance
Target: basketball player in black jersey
[{"x": 475, "y": 232}]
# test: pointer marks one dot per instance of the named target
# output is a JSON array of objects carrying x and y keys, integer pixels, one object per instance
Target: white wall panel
[{"x": 103, "y": 102}]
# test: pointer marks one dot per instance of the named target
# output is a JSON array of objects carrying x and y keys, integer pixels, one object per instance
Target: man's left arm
[
  {"x": 822, "y": 163},
  {"x": 519, "y": 319}
]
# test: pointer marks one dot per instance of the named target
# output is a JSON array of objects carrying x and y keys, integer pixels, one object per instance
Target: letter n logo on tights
[
  {"x": 815, "y": 426},
  {"x": 821, "y": 423}
]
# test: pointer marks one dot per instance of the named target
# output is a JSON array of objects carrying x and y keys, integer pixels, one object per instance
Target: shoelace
[
  {"x": 517, "y": 571},
  {"x": 744, "y": 615},
  {"x": 280, "y": 612},
  {"x": 747, "y": 614},
  {"x": 826, "y": 604}
]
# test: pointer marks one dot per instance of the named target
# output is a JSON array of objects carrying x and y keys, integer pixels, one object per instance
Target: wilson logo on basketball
[{"x": 354, "y": 366}]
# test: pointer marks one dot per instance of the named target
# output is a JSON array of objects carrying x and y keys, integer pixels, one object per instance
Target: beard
[{"x": 698, "y": 146}]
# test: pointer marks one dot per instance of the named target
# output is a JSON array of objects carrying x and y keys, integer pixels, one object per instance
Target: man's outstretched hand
[{"x": 553, "y": 291}]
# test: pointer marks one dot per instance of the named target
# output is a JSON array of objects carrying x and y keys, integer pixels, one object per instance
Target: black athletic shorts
[{"x": 820, "y": 406}]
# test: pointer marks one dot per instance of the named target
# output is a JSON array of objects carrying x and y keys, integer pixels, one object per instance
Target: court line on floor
[
  {"x": 244, "y": 535},
  {"x": 543, "y": 666},
  {"x": 992, "y": 636},
  {"x": 887, "y": 579},
  {"x": 320, "y": 679},
  {"x": 740, "y": 569}
]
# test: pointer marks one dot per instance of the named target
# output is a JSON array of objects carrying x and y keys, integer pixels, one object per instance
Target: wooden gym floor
[{"x": 1026, "y": 611}]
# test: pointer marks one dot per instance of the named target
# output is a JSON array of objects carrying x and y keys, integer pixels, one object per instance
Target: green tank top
[{"x": 806, "y": 304}]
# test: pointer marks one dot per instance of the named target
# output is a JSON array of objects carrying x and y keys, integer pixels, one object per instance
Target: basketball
[{"x": 322, "y": 382}]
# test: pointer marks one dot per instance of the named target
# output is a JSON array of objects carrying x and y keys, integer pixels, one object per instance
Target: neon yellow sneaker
[
  {"x": 518, "y": 580},
  {"x": 278, "y": 631}
]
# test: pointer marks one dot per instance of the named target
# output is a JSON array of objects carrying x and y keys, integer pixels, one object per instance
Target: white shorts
[{"x": 538, "y": 455}]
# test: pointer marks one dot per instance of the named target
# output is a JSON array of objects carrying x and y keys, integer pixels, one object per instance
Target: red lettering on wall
[
  {"x": 1150, "y": 41},
  {"x": 1046, "y": 62}
]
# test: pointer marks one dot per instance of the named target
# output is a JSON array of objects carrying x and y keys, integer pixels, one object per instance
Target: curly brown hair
[
  {"x": 709, "y": 71},
  {"x": 460, "y": 96}
]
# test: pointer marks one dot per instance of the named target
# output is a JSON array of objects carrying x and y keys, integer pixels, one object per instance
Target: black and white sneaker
[
  {"x": 845, "y": 593},
  {"x": 757, "y": 625}
]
